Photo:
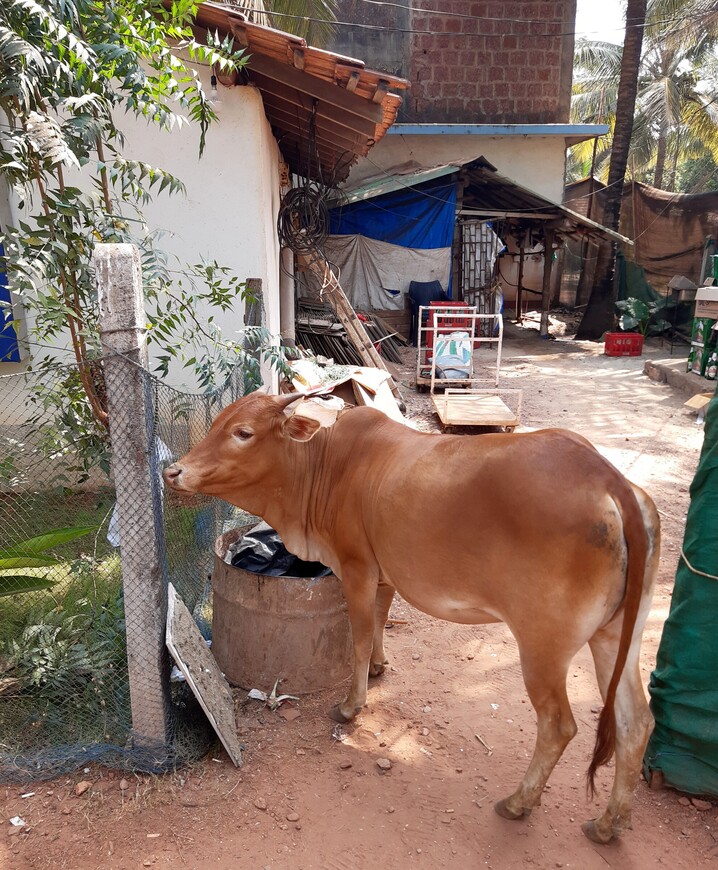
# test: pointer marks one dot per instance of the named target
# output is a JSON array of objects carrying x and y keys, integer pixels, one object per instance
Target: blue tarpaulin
[
  {"x": 9, "y": 350},
  {"x": 417, "y": 217}
]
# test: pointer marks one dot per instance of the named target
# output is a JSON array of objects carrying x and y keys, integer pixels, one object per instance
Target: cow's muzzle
[{"x": 173, "y": 477}]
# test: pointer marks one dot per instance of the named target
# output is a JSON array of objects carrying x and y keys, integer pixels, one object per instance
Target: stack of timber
[
  {"x": 318, "y": 329},
  {"x": 396, "y": 320}
]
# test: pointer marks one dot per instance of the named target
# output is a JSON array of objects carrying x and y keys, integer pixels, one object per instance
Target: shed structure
[{"x": 433, "y": 211}]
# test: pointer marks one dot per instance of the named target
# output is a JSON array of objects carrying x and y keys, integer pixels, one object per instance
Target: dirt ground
[{"x": 450, "y": 715}]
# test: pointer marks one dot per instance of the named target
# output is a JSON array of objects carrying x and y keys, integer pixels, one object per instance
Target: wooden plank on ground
[
  {"x": 193, "y": 658},
  {"x": 473, "y": 410}
]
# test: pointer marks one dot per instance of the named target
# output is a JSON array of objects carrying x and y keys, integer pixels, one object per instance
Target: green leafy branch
[{"x": 33, "y": 553}]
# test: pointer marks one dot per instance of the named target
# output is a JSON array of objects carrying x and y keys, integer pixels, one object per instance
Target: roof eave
[{"x": 572, "y": 134}]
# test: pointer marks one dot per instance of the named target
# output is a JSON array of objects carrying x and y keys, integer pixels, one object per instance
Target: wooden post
[
  {"x": 357, "y": 335},
  {"x": 286, "y": 298},
  {"x": 138, "y": 489},
  {"x": 546, "y": 286},
  {"x": 520, "y": 281}
]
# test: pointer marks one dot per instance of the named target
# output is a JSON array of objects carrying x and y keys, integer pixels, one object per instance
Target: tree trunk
[
  {"x": 660, "y": 158},
  {"x": 674, "y": 167},
  {"x": 599, "y": 314}
]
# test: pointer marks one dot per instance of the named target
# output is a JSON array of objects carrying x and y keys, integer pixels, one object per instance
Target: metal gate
[{"x": 479, "y": 249}]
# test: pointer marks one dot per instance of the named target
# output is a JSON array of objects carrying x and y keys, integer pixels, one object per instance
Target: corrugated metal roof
[
  {"x": 325, "y": 109},
  {"x": 390, "y": 183},
  {"x": 489, "y": 190}
]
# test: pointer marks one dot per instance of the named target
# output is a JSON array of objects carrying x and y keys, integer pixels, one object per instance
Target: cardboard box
[
  {"x": 699, "y": 403},
  {"x": 700, "y": 400},
  {"x": 707, "y": 302}
]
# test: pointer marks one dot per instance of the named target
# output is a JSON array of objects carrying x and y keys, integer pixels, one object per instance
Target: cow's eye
[{"x": 243, "y": 434}]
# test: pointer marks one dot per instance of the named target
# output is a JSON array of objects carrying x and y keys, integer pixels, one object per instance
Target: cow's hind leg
[
  {"x": 633, "y": 725},
  {"x": 546, "y": 684},
  {"x": 384, "y": 597}
]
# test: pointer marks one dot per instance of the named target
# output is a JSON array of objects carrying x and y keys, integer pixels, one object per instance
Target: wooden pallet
[{"x": 476, "y": 408}]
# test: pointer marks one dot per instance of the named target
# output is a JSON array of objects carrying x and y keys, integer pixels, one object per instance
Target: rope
[{"x": 695, "y": 570}]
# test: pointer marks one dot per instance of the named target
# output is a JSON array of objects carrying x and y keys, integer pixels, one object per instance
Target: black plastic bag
[{"x": 261, "y": 551}]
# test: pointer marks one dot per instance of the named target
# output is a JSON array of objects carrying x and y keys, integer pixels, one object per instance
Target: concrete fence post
[{"x": 138, "y": 488}]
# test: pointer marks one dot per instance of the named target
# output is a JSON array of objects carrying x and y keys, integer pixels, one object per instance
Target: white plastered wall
[
  {"x": 229, "y": 210},
  {"x": 536, "y": 162}
]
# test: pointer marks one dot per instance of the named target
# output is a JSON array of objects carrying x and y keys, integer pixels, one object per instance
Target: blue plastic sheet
[{"x": 416, "y": 217}]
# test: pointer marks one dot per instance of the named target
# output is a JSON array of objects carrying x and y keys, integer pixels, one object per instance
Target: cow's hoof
[
  {"x": 503, "y": 810},
  {"x": 376, "y": 669},
  {"x": 338, "y": 716},
  {"x": 596, "y": 834}
]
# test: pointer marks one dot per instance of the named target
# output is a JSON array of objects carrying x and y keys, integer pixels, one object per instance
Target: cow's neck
[{"x": 302, "y": 502}]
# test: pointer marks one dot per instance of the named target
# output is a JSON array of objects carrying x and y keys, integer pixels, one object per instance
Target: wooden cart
[
  {"x": 441, "y": 367},
  {"x": 473, "y": 407}
]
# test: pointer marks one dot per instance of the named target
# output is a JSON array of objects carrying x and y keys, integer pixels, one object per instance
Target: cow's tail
[{"x": 636, "y": 536}]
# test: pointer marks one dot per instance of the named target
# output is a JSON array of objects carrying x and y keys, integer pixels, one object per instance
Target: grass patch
[{"x": 63, "y": 669}]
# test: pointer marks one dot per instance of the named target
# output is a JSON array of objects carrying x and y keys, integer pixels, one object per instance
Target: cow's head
[{"x": 243, "y": 447}]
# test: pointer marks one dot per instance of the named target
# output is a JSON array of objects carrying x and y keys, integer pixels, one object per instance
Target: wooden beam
[
  {"x": 335, "y": 164},
  {"x": 382, "y": 89},
  {"x": 493, "y": 212},
  {"x": 292, "y": 97},
  {"x": 299, "y": 122},
  {"x": 315, "y": 87},
  {"x": 298, "y": 58},
  {"x": 520, "y": 281},
  {"x": 240, "y": 34},
  {"x": 327, "y": 156},
  {"x": 356, "y": 333},
  {"x": 353, "y": 80}
]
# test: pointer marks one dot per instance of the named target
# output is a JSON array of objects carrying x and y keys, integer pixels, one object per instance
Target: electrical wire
[
  {"x": 541, "y": 35},
  {"x": 303, "y": 219}
]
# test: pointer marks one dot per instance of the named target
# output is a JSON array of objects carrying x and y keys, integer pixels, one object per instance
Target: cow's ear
[{"x": 300, "y": 428}]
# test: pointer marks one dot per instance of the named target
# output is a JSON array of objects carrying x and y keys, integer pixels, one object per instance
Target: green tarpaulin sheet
[{"x": 684, "y": 685}]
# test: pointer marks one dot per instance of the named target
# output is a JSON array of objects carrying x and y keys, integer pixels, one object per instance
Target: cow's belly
[
  {"x": 465, "y": 602},
  {"x": 452, "y": 609},
  {"x": 472, "y": 578}
]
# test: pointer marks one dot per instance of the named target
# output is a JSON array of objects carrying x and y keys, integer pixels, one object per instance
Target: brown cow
[{"x": 535, "y": 530}]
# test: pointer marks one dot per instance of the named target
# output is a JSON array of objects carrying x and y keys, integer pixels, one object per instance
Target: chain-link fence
[{"x": 65, "y": 687}]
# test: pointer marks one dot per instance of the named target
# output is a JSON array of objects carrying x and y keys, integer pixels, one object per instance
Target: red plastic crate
[{"x": 624, "y": 344}]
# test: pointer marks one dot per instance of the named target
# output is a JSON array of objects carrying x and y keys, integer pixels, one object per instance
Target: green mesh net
[{"x": 684, "y": 685}]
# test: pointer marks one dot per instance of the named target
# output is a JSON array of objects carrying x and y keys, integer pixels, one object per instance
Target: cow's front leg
[
  {"x": 360, "y": 591},
  {"x": 384, "y": 597}
]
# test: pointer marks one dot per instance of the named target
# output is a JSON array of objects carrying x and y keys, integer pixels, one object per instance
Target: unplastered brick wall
[
  {"x": 508, "y": 63},
  {"x": 490, "y": 62}
]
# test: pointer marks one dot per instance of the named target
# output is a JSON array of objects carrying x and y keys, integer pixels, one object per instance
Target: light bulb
[{"x": 213, "y": 97}]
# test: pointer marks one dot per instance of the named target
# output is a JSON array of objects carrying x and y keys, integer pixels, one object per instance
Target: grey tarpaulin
[{"x": 369, "y": 269}]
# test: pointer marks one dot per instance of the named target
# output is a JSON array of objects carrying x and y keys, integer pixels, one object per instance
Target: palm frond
[{"x": 313, "y": 20}]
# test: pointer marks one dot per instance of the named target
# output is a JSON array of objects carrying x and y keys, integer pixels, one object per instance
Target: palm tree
[
  {"x": 310, "y": 19},
  {"x": 599, "y": 312},
  {"x": 676, "y": 117}
]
